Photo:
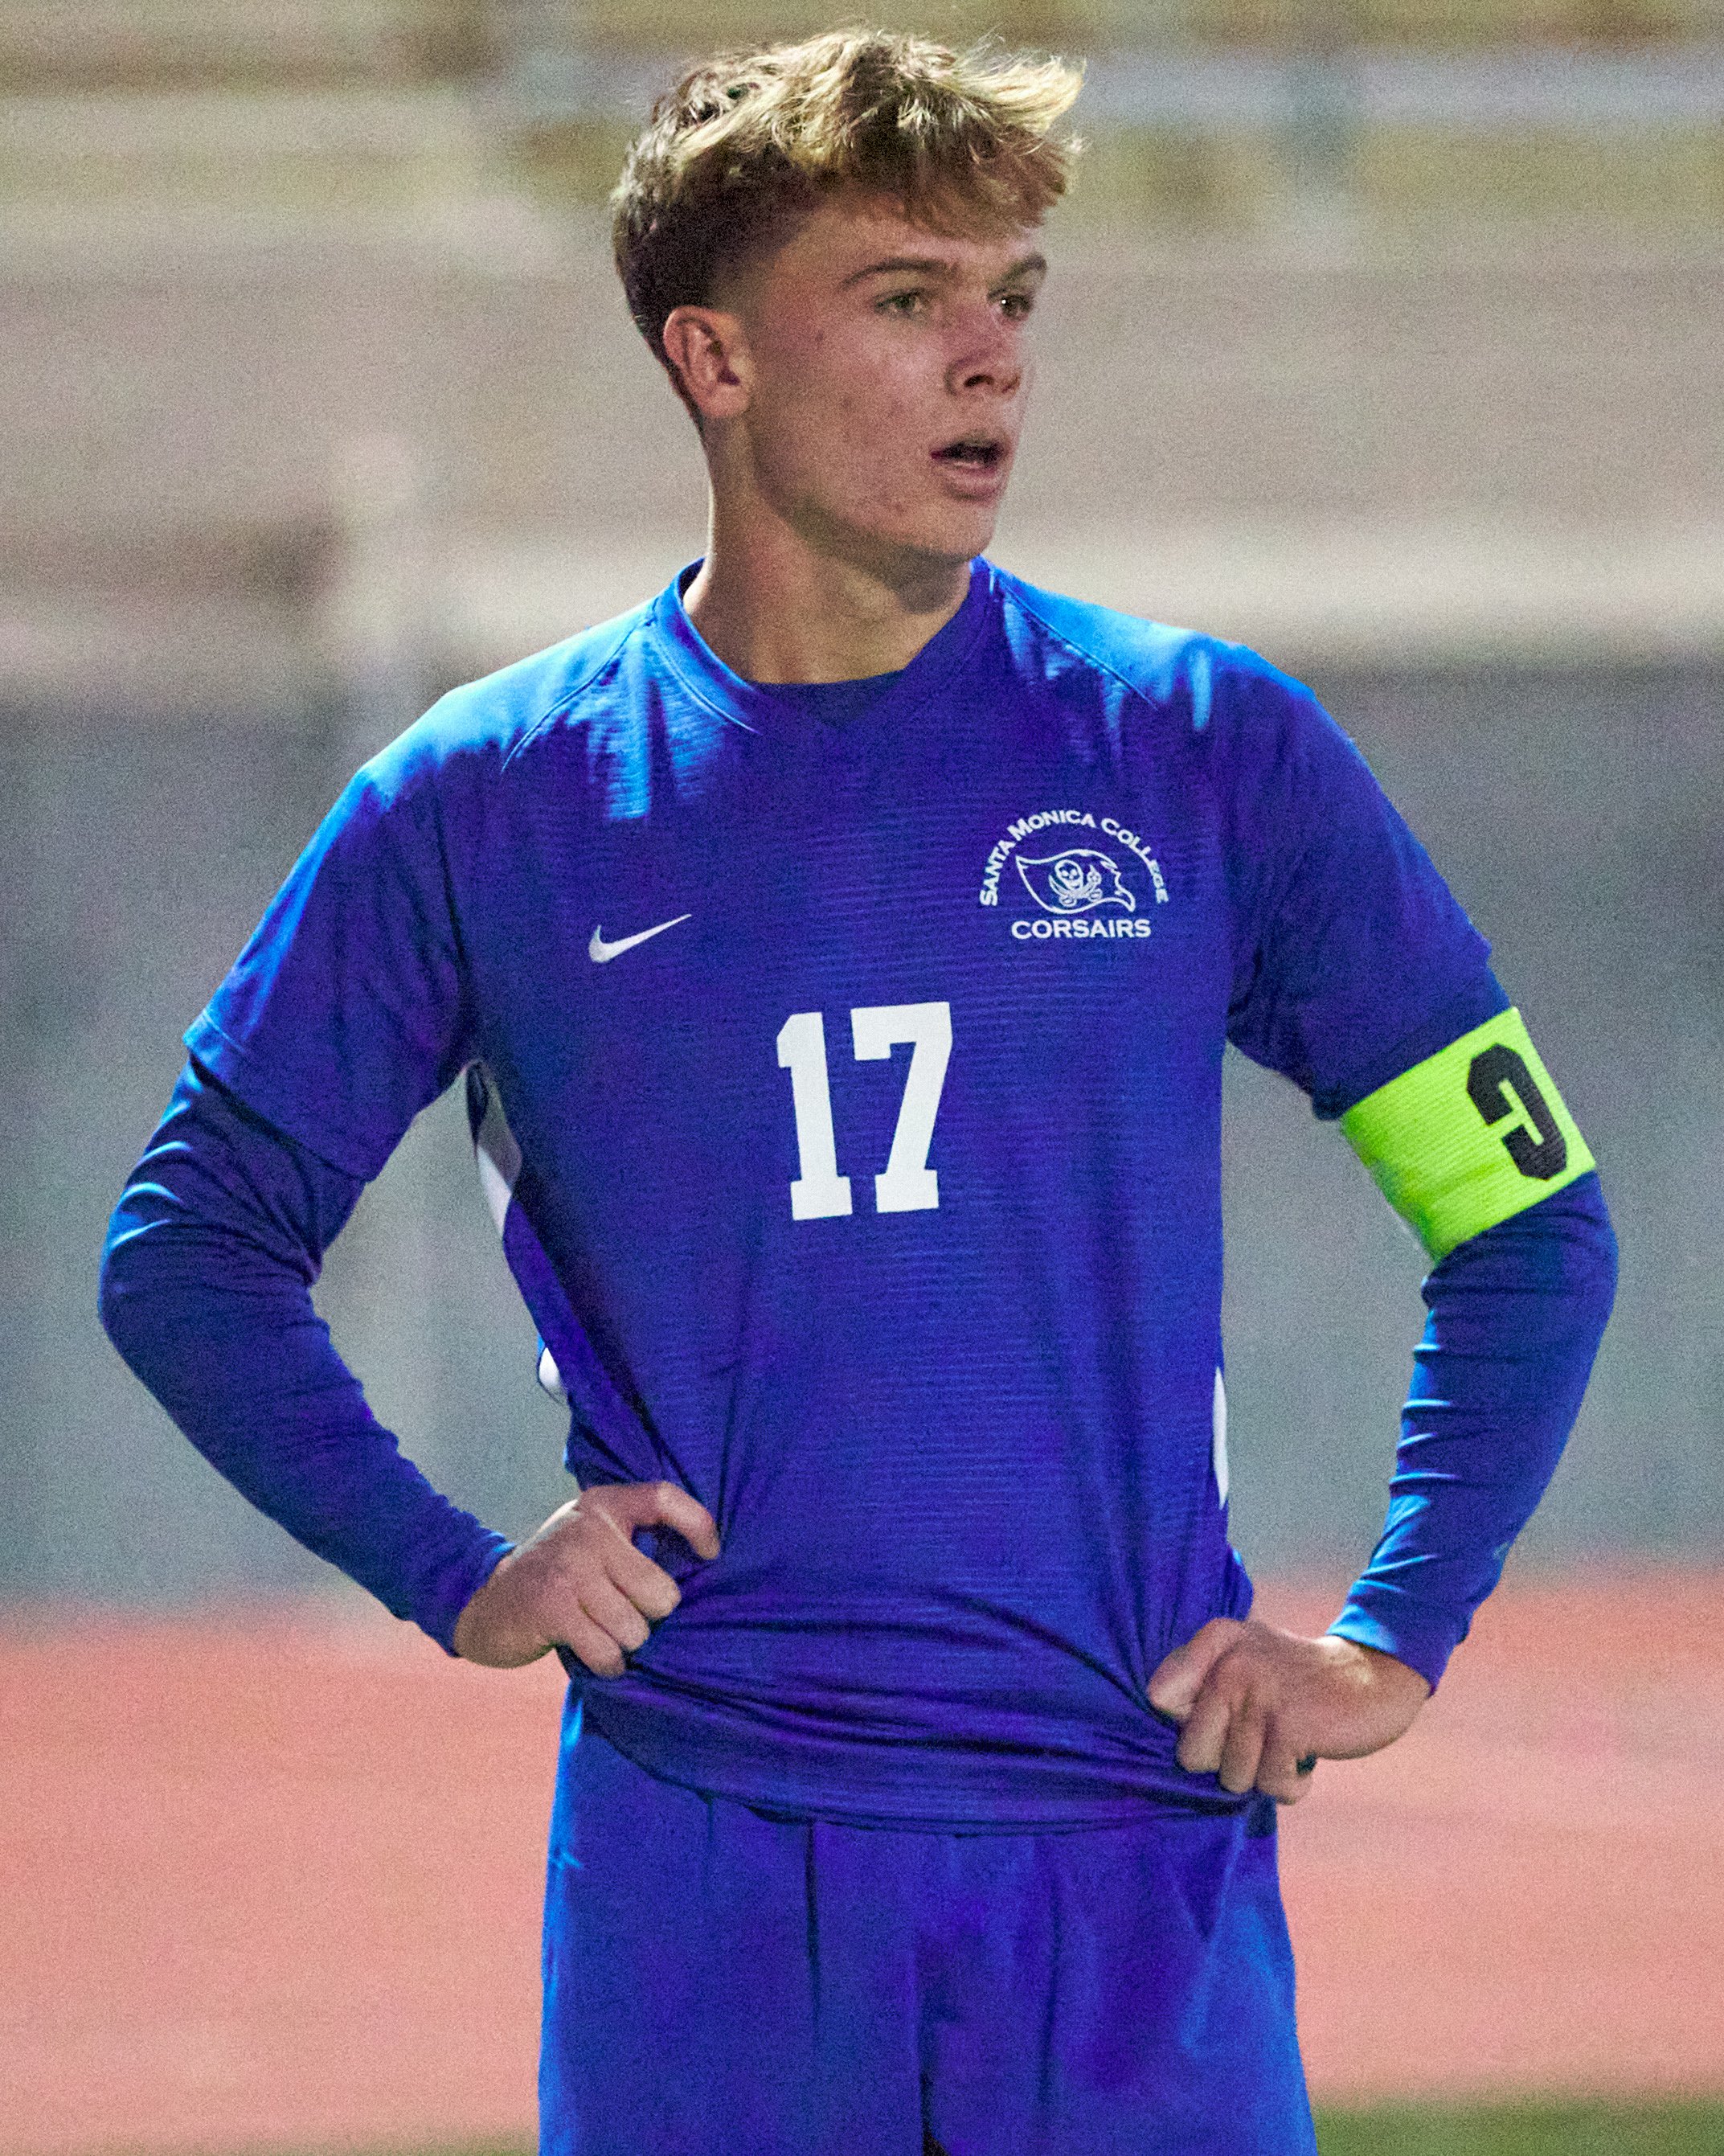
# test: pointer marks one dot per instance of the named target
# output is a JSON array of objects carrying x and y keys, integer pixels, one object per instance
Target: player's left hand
[{"x": 1254, "y": 1703}]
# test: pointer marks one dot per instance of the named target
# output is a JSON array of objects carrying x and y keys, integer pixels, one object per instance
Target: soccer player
[{"x": 842, "y": 948}]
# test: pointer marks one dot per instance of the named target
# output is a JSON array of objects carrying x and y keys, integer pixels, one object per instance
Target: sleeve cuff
[
  {"x": 455, "y": 1587},
  {"x": 1394, "y": 1624}
]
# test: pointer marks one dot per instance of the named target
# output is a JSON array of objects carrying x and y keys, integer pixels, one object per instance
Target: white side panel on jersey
[
  {"x": 1217, "y": 1448},
  {"x": 499, "y": 1160},
  {"x": 550, "y": 1377},
  {"x": 498, "y": 1155}
]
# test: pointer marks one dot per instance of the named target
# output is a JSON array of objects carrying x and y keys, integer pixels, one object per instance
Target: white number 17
[{"x": 907, "y": 1184}]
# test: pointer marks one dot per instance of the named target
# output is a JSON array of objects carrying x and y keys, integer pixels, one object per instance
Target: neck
[{"x": 775, "y": 608}]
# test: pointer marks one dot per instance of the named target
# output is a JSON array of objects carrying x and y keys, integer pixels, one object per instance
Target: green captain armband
[{"x": 1472, "y": 1136}]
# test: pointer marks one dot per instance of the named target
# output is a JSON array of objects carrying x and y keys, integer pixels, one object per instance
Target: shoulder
[
  {"x": 476, "y": 731},
  {"x": 1203, "y": 687},
  {"x": 1258, "y": 742}
]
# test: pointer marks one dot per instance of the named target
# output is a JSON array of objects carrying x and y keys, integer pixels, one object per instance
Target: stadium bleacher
[{"x": 159, "y": 160}]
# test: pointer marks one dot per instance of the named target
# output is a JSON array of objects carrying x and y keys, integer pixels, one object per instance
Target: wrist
[
  {"x": 468, "y": 1637},
  {"x": 1388, "y": 1622},
  {"x": 1389, "y": 1671}
]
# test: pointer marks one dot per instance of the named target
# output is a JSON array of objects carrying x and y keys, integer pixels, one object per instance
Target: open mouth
[{"x": 978, "y": 453}]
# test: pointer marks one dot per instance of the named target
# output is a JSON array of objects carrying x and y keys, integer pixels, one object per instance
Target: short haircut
[{"x": 748, "y": 143}]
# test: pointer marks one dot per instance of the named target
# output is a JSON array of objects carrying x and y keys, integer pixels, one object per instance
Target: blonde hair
[{"x": 746, "y": 144}]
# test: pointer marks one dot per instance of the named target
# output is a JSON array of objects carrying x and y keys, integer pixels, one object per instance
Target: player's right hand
[{"x": 579, "y": 1582}]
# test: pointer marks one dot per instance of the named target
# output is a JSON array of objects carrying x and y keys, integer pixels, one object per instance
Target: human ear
[{"x": 709, "y": 355}]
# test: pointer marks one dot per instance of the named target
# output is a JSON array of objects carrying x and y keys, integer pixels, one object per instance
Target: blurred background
[{"x": 1386, "y": 335}]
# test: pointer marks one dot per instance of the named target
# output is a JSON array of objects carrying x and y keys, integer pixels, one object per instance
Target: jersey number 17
[{"x": 907, "y": 1184}]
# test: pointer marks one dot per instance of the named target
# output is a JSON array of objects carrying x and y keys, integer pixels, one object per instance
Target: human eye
[
  {"x": 906, "y": 304},
  {"x": 1017, "y": 306}
]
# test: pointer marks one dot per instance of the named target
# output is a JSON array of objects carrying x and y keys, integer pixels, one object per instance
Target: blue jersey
[{"x": 861, "y": 1053}]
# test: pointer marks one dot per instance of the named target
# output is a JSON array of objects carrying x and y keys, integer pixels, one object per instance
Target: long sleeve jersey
[{"x": 854, "y": 1057}]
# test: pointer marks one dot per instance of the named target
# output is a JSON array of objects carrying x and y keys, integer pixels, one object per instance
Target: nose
[{"x": 990, "y": 356}]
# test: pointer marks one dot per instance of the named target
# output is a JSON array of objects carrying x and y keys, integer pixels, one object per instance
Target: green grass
[
  {"x": 1526, "y": 2129},
  {"x": 1518, "y": 2129}
]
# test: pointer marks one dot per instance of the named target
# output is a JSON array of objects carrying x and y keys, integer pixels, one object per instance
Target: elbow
[
  {"x": 1610, "y": 1267},
  {"x": 117, "y": 1285},
  {"x": 1594, "y": 1258},
  {"x": 1554, "y": 1264},
  {"x": 138, "y": 1265}
]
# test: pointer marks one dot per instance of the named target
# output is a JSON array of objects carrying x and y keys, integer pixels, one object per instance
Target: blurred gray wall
[
  {"x": 318, "y": 394},
  {"x": 1579, "y": 816},
  {"x": 1577, "y": 813}
]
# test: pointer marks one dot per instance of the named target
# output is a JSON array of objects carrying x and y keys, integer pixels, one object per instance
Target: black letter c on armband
[{"x": 1495, "y": 1072}]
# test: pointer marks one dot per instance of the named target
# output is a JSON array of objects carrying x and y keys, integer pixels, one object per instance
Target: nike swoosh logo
[{"x": 599, "y": 951}]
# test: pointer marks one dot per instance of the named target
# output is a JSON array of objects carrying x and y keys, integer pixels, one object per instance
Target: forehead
[{"x": 844, "y": 236}]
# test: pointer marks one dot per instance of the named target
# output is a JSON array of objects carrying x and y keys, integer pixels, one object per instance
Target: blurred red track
[{"x": 270, "y": 1881}]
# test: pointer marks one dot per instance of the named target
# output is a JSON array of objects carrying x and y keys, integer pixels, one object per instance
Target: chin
[
  {"x": 943, "y": 537},
  {"x": 952, "y": 538}
]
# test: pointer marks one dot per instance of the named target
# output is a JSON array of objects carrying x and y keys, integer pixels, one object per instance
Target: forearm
[
  {"x": 1515, "y": 1316},
  {"x": 206, "y": 1292}
]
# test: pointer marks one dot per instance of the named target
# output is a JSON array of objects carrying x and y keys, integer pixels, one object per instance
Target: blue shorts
[{"x": 722, "y": 1983}]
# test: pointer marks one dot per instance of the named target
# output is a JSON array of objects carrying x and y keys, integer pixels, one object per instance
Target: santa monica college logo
[
  {"x": 1075, "y": 881},
  {"x": 1083, "y": 891}
]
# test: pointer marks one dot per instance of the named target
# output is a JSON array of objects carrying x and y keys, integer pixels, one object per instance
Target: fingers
[
  {"x": 593, "y": 1645},
  {"x": 1228, "y": 1689},
  {"x": 1223, "y": 1735},
  {"x": 609, "y": 1595},
  {"x": 614, "y": 1614},
  {"x": 1254, "y": 1702},
  {"x": 605, "y": 1628},
  {"x": 581, "y": 1582},
  {"x": 1241, "y": 1749},
  {"x": 1174, "y": 1688},
  {"x": 624, "y": 1507},
  {"x": 666, "y": 1504},
  {"x": 1281, "y": 1776},
  {"x": 1230, "y": 1735},
  {"x": 647, "y": 1586},
  {"x": 1203, "y": 1738}
]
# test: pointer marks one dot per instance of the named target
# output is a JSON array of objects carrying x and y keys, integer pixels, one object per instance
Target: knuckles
[{"x": 1240, "y": 1679}]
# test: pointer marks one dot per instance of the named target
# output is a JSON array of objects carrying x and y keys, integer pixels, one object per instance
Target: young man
[{"x": 844, "y": 946}]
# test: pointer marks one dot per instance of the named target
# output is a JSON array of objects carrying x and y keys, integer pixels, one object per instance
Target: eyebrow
[{"x": 931, "y": 265}]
